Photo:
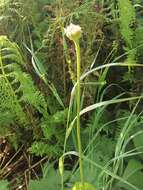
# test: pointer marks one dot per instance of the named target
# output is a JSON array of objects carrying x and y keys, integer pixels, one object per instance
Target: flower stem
[{"x": 77, "y": 48}]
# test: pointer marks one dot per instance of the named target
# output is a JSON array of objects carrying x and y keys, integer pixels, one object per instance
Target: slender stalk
[{"x": 77, "y": 48}]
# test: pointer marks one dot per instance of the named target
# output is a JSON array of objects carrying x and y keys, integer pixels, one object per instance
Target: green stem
[{"x": 77, "y": 48}]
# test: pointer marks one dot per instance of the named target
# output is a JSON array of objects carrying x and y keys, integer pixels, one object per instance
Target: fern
[
  {"x": 8, "y": 98},
  {"x": 20, "y": 85},
  {"x": 127, "y": 17},
  {"x": 40, "y": 148},
  {"x": 30, "y": 95},
  {"x": 19, "y": 96},
  {"x": 17, "y": 91},
  {"x": 138, "y": 41},
  {"x": 53, "y": 131}
]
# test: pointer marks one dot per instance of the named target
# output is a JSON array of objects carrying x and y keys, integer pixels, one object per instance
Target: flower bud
[{"x": 73, "y": 32}]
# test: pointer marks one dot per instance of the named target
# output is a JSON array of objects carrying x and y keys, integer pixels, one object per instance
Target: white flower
[{"x": 73, "y": 32}]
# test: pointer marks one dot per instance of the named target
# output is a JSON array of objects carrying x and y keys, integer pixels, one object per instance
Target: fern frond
[
  {"x": 17, "y": 87},
  {"x": 127, "y": 17}
]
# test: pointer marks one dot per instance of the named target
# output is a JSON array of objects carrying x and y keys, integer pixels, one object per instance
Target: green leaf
[
  {"x": 84, "y": 186},
  {"x": 4, "y": 185},
  {"x": 50, "y": 181},
  {"x": 138, "y": 142},
  {"x": 133, "y": 175},
  {"x": 38, "y": 185}
]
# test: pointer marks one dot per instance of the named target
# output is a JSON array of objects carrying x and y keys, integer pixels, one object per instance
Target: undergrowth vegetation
[{"x": 71, "y": 94}]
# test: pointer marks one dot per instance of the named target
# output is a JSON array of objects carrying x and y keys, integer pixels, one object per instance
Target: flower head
[{"x": 73, "y": 32}]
